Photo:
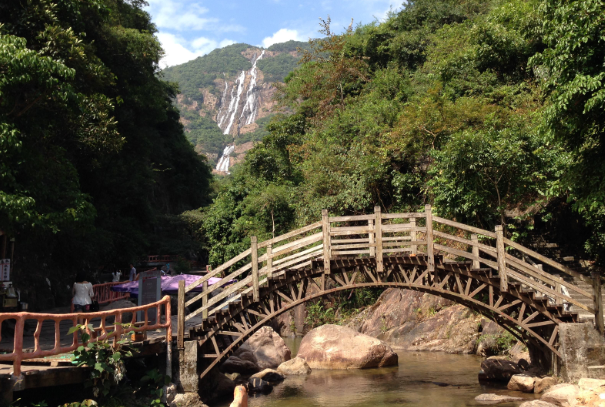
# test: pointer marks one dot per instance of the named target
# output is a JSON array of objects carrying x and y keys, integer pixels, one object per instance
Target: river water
[{"x": 422, "y": 379}]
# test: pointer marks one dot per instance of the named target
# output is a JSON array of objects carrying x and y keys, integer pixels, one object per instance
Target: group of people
[{"x": 82, "y": 291}]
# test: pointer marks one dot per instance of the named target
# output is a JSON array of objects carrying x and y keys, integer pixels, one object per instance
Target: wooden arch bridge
[{"x": 512, "y": 285}]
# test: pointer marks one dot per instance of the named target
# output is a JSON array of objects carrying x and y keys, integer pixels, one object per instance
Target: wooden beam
[
  {"x": 180, "y": 332},
  {"x": 254, "y": 255},
  {"x": 501, "y": 258},
  {"x": 378, "y": 234},
  {"x": 269, "y": 260},
  {"x": 371, "y": 238},
  {"x": 429, "y": 237},
  {"x": 413, "y": 235},
  {"x": 475, "y": 240},
  {"x": 204, "y": 299},
  {"x": 598, "y": 302},
  {"x": 325, "y": 228}
]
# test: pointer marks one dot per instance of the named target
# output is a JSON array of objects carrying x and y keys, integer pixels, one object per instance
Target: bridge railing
[
  {"x": 376, "y": 235},
  {"x": 105, "y": 325},
  {"x": 104, "y": 295}
]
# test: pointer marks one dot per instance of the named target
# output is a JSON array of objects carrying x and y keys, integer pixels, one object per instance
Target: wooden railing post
[
  {"x": 429, "y": 237},
  {"x": 254, "y": 255},
  {"x": 598, "y": 302},
  {"x": 371, "y": 238},
  {"x": 501, "y": 258},
  {"x": 413, "y": 235},
  {"x": 205, "y": 299},
  {"x": 180, "y": 333},
  {"x": 325, "y": 227},
  {"x": 475, "y": 240},
  {"x": 378, "y": 238},
  {"x": 269, "y": 260}
]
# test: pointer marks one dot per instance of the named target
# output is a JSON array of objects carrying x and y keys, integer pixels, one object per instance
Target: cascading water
[
  {"x": 235, "y": 102},
  {"x": 250, "y": 107},
  {"x": 223, "y": 162},
  {"x": 220, "y": 117}
]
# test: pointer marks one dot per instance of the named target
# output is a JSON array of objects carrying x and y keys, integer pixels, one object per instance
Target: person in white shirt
[
  {"x": 82, "y": 294},
  {"x": 116, "y": 276}
]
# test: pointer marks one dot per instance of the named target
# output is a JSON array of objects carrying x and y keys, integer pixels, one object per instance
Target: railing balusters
[
  {"x": 269, "y": 260},
  {"x": 205, "y": 299},
  {"x": 180, "y": 332},
  {"x": 371, "y": 239},
  {"x": 254, "y": 256},
  {"x": 325, "y": 227},
  {"x": 501, "y": 258},
  {"x": 378, "y": 238},
  {"x": 429, "y": 237},
  {"x": 413, "y": 235},
  {"x": 475, "y": 249}
]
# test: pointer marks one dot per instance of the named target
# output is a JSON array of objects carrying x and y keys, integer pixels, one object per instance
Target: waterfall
[
  {"x": 251, "y": 95},
  {"x": 223, "y": 162},
  {"x": 235, "y": 102},
  {"x": 220, "y": 118}
]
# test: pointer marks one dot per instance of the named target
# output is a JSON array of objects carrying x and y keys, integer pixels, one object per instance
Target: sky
[{"x": 191, "y": 28}]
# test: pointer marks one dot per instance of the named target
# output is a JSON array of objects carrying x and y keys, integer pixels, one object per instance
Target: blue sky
[{"x": 190, "y": 28}]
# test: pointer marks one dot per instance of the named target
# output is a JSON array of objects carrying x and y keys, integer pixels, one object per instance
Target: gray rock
[
  {"x": 268, "y": 348},
  {"x": 242, "y": 361},
  {"x": 256, "y": 385},
  {"x": 269, "y": 375},
  {"x": 498, "y": 369},
  {"x": 544, "y": 383},
  {"x": 537, "y": 403},
  {"x": 490, "y": 398},
  {"x": 563, "y": 394},
  {"x": 296, "y": 366}
]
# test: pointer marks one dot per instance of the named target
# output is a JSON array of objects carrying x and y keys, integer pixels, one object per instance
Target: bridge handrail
[
  {"x": 103, "y": 331},
  {"x": 103, "y": 295},
  {"x": 374, "y": 239}
]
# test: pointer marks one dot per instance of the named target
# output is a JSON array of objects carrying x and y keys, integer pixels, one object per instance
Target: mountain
[{"x": 226, "y": 97}]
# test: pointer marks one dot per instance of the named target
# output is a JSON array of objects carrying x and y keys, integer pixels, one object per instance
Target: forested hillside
[
  {"x": 213, "y": 93},
  {"x": 489, "y": 110},
  {"x": 94, "y": 164}
]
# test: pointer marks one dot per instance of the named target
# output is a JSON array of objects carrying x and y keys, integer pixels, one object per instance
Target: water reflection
[{"x": 421, "y": 379}]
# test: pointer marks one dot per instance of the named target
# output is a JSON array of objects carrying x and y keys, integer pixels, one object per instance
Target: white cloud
[
  {"x": 184, "y": 15},
  {"x": 178, "y": 50},
  {"x": 282, "y": 35}
]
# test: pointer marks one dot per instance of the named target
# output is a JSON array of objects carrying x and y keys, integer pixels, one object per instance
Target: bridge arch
[{"x": 416, "y": 251}]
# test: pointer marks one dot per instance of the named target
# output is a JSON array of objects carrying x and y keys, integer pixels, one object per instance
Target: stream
[{"x": 422, "y": 379}]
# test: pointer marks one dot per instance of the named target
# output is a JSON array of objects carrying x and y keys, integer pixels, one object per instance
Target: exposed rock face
[
  {"x": 581, "y": 347},
  {"x": 338, "y": 347},
  {"x": 268, "y": 347},
  {"x": 521, "y": 382},
  {"x": 495, "y": 399},
  {"x": 498, "y": 369},
  {"x": 563, "y": 394},
  {"x": 422, "y": 322},
  {"x": 296, "y": 366}
]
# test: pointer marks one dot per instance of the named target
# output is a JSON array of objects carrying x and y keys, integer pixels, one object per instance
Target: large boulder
[
  {"x": 563, "y": 394},
  {"x": 544, "y": 383},
  {"x": 268, "y": 347},
  {"x": 243, "y": 361},
  {"x": 296, "y": 366},
  {"x": 522, "y": 382},
  {"x": 592, "y": 384},
  {"x": 339, "y": 347},
  {"x": 498, "y": 369},
  {"x": 490, "y": 398}
]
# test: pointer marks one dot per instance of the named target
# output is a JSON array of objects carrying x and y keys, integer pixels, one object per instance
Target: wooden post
[
  {"x": 254, "y": 255},
  {"x": 475, "y": 248},
  {"x": 598, "y": 302},
  {"x": 501, "y": 258},
  {"x": 269, "y": 260},
  {"x": 413, "y": 235},
  {"x": 378, "y": 234},
  {"x": 429, "y": 237},
  {"x": 371, "y": 238},
  {"x": 205, "y": 299},
  {"x": 180, "y": 333},
  {"x": 325, "y": 227}
]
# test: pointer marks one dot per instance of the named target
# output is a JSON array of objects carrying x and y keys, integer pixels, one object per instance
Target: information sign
[{"x": 150, "y": 290}]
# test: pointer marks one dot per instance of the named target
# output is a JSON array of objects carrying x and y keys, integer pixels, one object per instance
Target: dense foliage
[
  {"x": 489, "y": 110},
  {"x": 92, "y": 153}
]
